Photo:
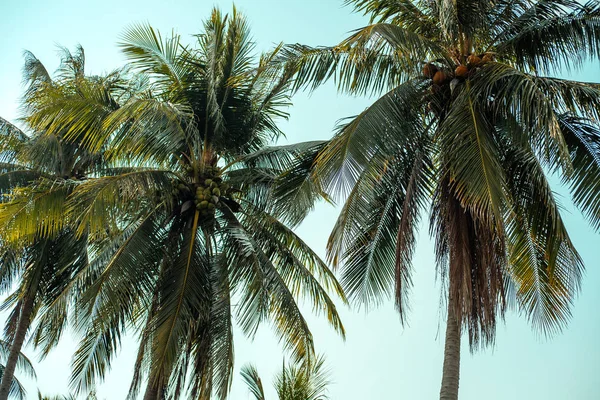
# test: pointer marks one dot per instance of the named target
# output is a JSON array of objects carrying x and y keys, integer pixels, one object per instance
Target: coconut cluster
[
  {"x": 208, "y": 194},
  {"x": 208, "y": 191},
  {"x": 445, "y": 80},
  {"x": 441, "y": 76}
]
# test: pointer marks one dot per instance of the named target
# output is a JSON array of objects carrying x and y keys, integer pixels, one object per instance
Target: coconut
[
  {"x": 211, "y": 206},
  {"x": 216, "y": 192},
  {"x": 208, "y": 182},
  {"x": 203, "y": 204},
  {"x": 473, "y": 60},
  {"x": 487, "y": 57},
  {"x": 439, "y": 77},
  {"x": 461, "y": 71},
  {"x": 429, "y": 70}
]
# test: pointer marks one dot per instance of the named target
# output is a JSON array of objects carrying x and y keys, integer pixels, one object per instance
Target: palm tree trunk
[
  {"x": 15, "y": 348},
  {"x": 451, "y": 372}
]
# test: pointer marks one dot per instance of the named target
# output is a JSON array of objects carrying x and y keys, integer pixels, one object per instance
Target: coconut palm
[
  {"x": 296, "y": 381},
  {"x": 195, "y": 230},
  {"x": 469, "y": 124},
  {"x": 41, "y": 254},
  {"x": 90, "y": 396},
  {"x": 57, "y": 397}
]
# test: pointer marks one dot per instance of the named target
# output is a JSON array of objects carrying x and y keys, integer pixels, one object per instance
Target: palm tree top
[
  {"x": 190, "y": 223},
  {"x": 295, "y": 381},
  {"x": 465, "y": 96}
]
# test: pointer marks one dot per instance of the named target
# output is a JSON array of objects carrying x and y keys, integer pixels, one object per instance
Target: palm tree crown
[
  {"x": 192, "y": 228},
  {"x": 295, "y": 381},
  {"x": 470, "y": 126},
  {"x": 38, "y": 173}
]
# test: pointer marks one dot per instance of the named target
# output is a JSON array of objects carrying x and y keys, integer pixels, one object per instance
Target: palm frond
[
  {"x": 151, "y": 54},
  {"x": 543, "y": 261},
  {"x": 391, "y": 123},
  {"x": 470, "y": 157},
  {"x": 24, "y": 366},
  {"x": 253, "y": 381},
  {"x": 17, "y": 390},
  {"x": 375, "y": 58},
  {"x": 582, "y": 138},
  {"x": 553, "y": 34},
  {"x": 263, "y": 291}
]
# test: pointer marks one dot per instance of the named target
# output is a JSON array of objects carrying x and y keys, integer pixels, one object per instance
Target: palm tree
[
  {"x": 90, "y": 396},
  {"x": 469, "y": 126},
  {"x": 195, "y": 229},
  {"x": 40, "y": 252},
  {"x": 296, "y": 381}
]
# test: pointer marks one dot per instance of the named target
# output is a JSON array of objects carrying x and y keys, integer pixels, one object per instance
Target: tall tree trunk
[
  {"x": 451, "y": 372},
  {"x": 16, "y": 345}
]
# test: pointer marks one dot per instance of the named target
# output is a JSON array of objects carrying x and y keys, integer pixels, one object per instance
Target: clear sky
[{"x": 379, "y": 359}]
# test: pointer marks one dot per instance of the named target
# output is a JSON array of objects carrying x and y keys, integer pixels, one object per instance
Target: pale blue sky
[{"x": 380, "y": 359}]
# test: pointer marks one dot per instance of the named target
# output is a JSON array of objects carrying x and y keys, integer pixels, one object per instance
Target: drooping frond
[
  {"x": 544, "y": 264},
  {"x": 36, "y": 210},
  {"x": 16, "y": 391},
  {"x": 376, "y": 58},
  {"x": 184, "y": 297},
  {"x": 12, "y": 141},
  {"x": 552, "y": 34},
  {"x": 98, "y": 204},
  {"x": 373, "y": 137},
  {"x": 263, "y": 290},
  {"x": 583, "y": 140},
  {"x": 304, "y": 273},
  {"x": 469, "y": 156}
]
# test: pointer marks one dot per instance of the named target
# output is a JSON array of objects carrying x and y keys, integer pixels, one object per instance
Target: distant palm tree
[
  {"x": 90, "y": 396},
  {"x": 40, "y": 253},
  {"x": 469, "y": 126},
  {"x": 197, "y": 223},
  {"x": 296, "y": 381},
  {"x": 57, "y": 397}
]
